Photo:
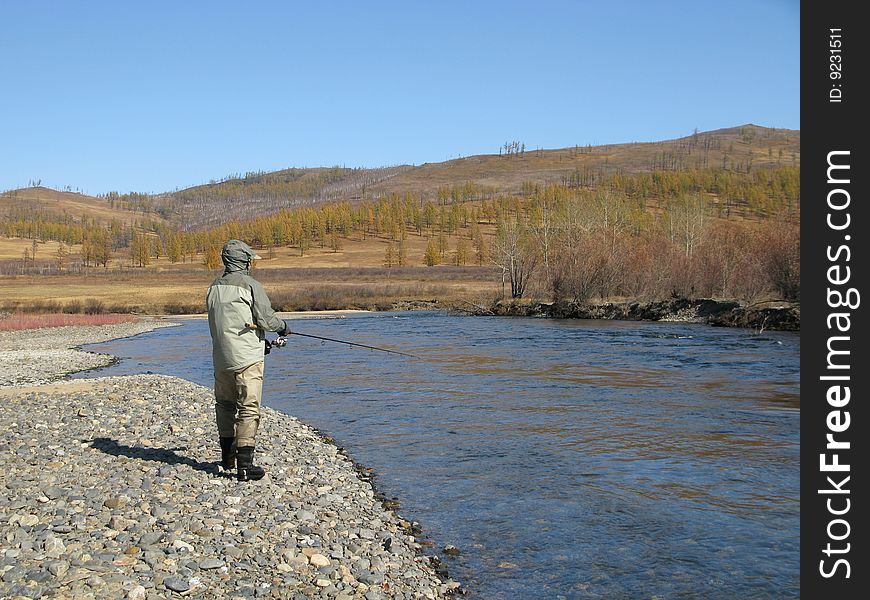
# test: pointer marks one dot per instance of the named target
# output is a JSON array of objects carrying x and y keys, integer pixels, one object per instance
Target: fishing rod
[{"x": 280, "y": 342}]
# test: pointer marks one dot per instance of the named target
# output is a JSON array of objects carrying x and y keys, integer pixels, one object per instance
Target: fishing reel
[{"x": 278, "y": 342}]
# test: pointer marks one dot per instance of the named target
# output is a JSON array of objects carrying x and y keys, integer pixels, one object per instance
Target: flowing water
[{"x": 565, "y": 458}]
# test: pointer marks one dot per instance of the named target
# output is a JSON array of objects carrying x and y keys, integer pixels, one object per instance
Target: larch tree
[
  {"x": 401, "y": 253},
  {"x": 432, "y": 256},
  {"x": 390, "y": 255},
  {"x": 212, "y": 258},
  {"x": 61, "y": 256},
  {"x": 460, "y": 255}
]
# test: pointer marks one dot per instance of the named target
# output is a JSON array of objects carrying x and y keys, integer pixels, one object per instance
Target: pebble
[
  {"x": 177, "y": 584},
  {"x": 105, "y": 497},
  {"x": 149, "y": 539},
  {"x": 318, "y": 560},
  {"x": 113, "y": 503},
  {"x": 211, "y": 563},
  {"x": 28, "y": 520},
  {"x": 137, "y": 593}
]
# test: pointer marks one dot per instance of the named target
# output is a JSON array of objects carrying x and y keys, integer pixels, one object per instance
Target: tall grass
[{"x": 16, "y": 322}]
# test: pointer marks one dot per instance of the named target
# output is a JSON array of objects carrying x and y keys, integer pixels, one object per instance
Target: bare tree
[
  {"x": 544, "y": 229},
  {"x": 512, "y": 251},
  {"x": 687, "y": 220}
]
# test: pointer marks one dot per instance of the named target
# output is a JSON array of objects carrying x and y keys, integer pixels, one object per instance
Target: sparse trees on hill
[{"x": 513, "y": 148}]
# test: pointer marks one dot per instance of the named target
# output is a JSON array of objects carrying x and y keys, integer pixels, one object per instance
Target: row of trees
[
  {"x": 761, "y": 193},
  {"x": 601, "y": 244}
]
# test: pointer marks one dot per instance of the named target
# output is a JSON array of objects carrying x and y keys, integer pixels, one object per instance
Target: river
[{"x": 564, "y": 458}]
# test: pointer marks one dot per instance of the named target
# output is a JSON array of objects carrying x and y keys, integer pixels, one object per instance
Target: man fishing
[{"x": 236, "y": 301}]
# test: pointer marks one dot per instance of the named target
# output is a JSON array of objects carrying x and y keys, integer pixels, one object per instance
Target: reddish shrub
[{"x": 18, "y": 322}]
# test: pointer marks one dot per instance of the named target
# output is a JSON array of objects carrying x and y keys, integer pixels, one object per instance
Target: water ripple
[{"x": 575, "y": 459}]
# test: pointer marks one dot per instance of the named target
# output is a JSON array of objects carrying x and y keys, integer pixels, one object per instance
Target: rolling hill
[
  {"x": 747, "y": 146},
  {"x": 67, "y": 205},
  {"x": 743, "y": 148}
]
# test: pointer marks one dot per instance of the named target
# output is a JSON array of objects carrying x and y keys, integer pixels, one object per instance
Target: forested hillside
[
  {"x": 712, "y": 214},
  {"x": 742, "y": 149},
  {"x": 256, "y": 194}
]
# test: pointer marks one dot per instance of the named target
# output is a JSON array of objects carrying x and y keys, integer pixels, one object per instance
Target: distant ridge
[
  {"x": 741, "y": 148},
  {"x": 74, "y": 205}
]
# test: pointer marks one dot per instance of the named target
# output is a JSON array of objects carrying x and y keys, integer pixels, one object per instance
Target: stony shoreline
[{"x": 112, "y": 491}]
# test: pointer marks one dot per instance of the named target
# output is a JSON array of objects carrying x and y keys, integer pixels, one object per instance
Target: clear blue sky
[{"x": 153, "y": 95}]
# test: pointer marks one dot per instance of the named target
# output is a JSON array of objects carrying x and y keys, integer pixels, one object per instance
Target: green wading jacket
[{"x": 234, "y": 300}]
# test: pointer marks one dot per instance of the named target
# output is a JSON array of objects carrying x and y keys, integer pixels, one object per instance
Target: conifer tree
[
  {"x": 212, "y": 258},
  {"x": 432, "y": 256},
  {"x": 401, "y": 253},
  {"x": 61, "y": 254},
  {"x": 460, "y": 255},
  {"x": 390, "y": 255}
]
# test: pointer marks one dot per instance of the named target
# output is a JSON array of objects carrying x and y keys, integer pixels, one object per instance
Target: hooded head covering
[{"x": 237, "y": 255}]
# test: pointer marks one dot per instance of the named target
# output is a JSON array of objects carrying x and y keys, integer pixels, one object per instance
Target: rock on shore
[{"x": 110, "y": 489}]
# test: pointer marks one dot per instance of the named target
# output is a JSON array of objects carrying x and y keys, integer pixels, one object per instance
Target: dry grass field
[
  {"x": 322, "y": 279},
  {"x": 183, "y": 293},
  {"x": 13, "y": 248}
]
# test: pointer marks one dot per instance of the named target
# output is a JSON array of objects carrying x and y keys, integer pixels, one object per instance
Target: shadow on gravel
[{"x": 164, "y": 455}]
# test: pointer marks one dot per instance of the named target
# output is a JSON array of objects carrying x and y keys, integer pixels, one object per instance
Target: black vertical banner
[{"x": 834, "y": 336}]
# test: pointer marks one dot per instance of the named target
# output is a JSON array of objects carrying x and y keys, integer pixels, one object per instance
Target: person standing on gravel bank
[{"x": 236, "y": 300}]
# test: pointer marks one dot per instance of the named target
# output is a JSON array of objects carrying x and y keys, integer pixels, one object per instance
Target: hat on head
[{"x": 237, "y": 251}]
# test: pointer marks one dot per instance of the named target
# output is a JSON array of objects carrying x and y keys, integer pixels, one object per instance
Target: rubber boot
[
  {"x": 247, "y": 470},
  {"x": 228, "y": 454}
]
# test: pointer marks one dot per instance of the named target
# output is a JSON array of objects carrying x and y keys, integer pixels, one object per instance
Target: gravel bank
[
  {"x": 39, "y": 356},
  {"x": 111, "y": 490}
]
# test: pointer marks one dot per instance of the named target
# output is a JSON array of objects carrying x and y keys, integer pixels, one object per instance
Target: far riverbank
[{"x": 763, "y": 316}]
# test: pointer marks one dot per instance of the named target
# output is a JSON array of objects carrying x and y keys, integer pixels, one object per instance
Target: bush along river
[{"x": 563, "y": 458}]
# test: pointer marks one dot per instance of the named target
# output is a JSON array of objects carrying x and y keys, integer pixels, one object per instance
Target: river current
[{"x": 564, "y": 458}]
